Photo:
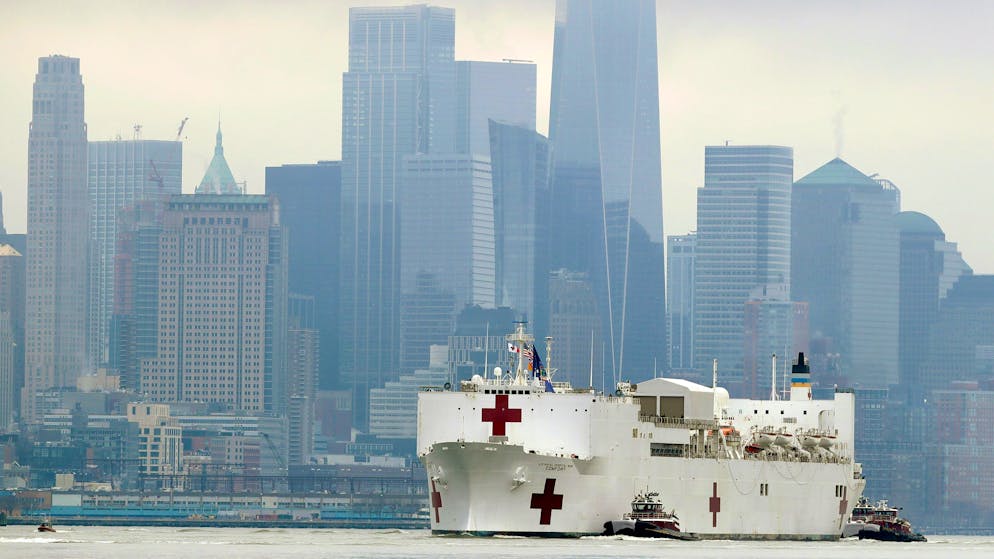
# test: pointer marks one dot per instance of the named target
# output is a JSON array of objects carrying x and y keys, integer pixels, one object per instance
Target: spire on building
[{"x": 218, "y": 178}]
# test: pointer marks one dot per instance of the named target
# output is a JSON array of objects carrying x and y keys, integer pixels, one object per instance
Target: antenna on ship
[
  {"x": 773, "y": 381},
  {"x": 591, "y": 359},
  {"x": 714, "y": 388},
  {"x": 486, "y": 351}
]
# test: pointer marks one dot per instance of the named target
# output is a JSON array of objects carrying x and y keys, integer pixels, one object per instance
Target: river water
[{"x": 243, "y": 543}]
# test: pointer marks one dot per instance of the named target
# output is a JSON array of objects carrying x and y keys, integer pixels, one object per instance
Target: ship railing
[{"x": 678, "y": 422}]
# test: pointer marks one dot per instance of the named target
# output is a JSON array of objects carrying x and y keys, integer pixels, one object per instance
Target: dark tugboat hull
[
  {"x": 885, "y": 535},
  {"x": 640, "y": 529}
]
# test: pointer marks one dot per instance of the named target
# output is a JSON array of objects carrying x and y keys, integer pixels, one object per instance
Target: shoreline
[{"x": 392, "y": 524}]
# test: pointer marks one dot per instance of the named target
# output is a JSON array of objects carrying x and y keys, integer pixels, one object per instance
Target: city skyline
[{"x": 797, "y": 84}]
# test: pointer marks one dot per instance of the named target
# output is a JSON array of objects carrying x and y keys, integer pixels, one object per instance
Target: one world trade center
[{"x": 607, "y": 211}]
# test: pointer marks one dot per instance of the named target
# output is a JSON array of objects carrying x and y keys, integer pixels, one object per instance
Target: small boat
[
  {"x": 46, "y": 526},
  {"x": 647, "y": 520},
  {"x": 879, "y": 521}
]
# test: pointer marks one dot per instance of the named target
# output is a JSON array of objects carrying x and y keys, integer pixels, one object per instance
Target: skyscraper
[
  {"x": 11, "y": 331},
  {"x": 120, "y": 174},
  {"x": 398, "y": 58},
  {"x": 521, "y": 162},
  {"x": 607, "y": 187},
  {"x": 743, "y": 243},
  {"x": 845, "y": 263},
  {"x": 927, "y": 263},
  {"x": 302, "y": 376},
  {"x": 55, "y": 330},
  {"x": 447, "y": 205},
  {"x": 310, "y": 210},
  {"x": 680, "y": 251},
  {"x": 222, "y": 324}
]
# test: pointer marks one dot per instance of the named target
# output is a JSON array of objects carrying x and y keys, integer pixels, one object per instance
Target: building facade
[
  {"x": 845, "y": 252},
  {"x": 58, "y": 221},
  {"x": 607, "y": 219},
  {"x": 310, "y": 209},
  {"x": 521, "y": 163},
  {"x": 11, "y": 333},
  {"x": 680, "y": 254},
  {"x": 400, "y": 68},
  {"x": 575, "y": 326},
  {"x": 221, "y": 333},
  {"x": 743, "y": 243},
  {"x": 120, "y": 174}
]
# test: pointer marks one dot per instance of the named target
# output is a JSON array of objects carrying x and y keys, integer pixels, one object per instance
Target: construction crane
[
  {"x": 181, "y": 125},
  {"x": 276, "y": 453},
  {"x": 154, "y": 176}
]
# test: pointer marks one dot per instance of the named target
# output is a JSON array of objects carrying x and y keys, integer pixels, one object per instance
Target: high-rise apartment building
[
  {"x": 680, "y": 251},
  {"x": 521, "y": 163},
  {"x": 845, "y": 256},
  {"x": 310, "y": 210},
  {"x": 221, "y": 333},
  {"x": 743, "y": 243},
  {"x": 397, "y": 95},
  {"x": 607, "y": 219},
  {"x": 120, "y": 174},
  {"x": 55, "y": 329}
]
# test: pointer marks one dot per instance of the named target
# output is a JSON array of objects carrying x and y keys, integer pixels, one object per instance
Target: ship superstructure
[{"x": 518, "y": 453}]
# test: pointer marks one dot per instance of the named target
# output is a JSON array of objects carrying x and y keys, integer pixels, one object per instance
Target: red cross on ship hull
[
  {"x": 714, "y": 505},
  {"x": 547, "y": 501},
  {"x": 500, "y": 415}
]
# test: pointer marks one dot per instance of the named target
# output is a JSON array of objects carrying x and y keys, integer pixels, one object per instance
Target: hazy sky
[{"x": 905, "y": 89}]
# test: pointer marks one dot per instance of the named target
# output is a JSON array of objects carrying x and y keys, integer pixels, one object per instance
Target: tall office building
[
  {"x": 55, "y": 329},
  {"x": 521, "y": 162},
  {"x": 743, "y": 243},
  {"x": 607, "y": 218},
  {"x": 310, "y": 210},
  {"x": 927, "y": 264},
  {"x": 845, "y": 263},
  {"x": 303, "y": 346},
  {"x": 222, "y": 304},
  {"x": 961, "y": 341},
  {"x": 134, "y": 323},
  {"x": 398, "y": 57},
  {"x": 680, "y": 252},
  {"x": 580, "y": 349},
  {"x": 447, "y": 204},
  {"x": 120, "y": 174},
  {"x": 427, "y": 317},
  {"x": 218, "y": 178},
  {"x": 11, "y": 332}
]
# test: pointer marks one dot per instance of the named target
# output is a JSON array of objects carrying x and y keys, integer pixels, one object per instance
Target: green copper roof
[
  {"x": 837, "y": 173},
  {"x": 218, "y": 178},
  {"x": 917, "y": 222}
]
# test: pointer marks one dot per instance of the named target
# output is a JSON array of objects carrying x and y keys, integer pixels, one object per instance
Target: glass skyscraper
[
  {"x": 845, "y": 262},
  {"x": 606, "y": 209},
  {"x": 680, "y": 252},
  {"x": 310, "y": 198},
  {"x": 743, "y": 243},
  {"x": 401, "y": 76},
  {"x": 121, "y": 173}
]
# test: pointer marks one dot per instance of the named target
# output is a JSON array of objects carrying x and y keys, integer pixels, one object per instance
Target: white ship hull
[{"x": 486, "y": 489}]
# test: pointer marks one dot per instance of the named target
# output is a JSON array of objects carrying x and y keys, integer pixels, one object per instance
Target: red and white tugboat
[
  {"x": 879, "y": 521},
  {"x": 647, "y": 520}
]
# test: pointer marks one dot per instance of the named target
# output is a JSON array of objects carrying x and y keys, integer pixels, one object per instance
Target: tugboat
[
  {"x": 879, "y": 521},
  {"x": 647, "y": 520},
  {"x": 46, "y": 526}
]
